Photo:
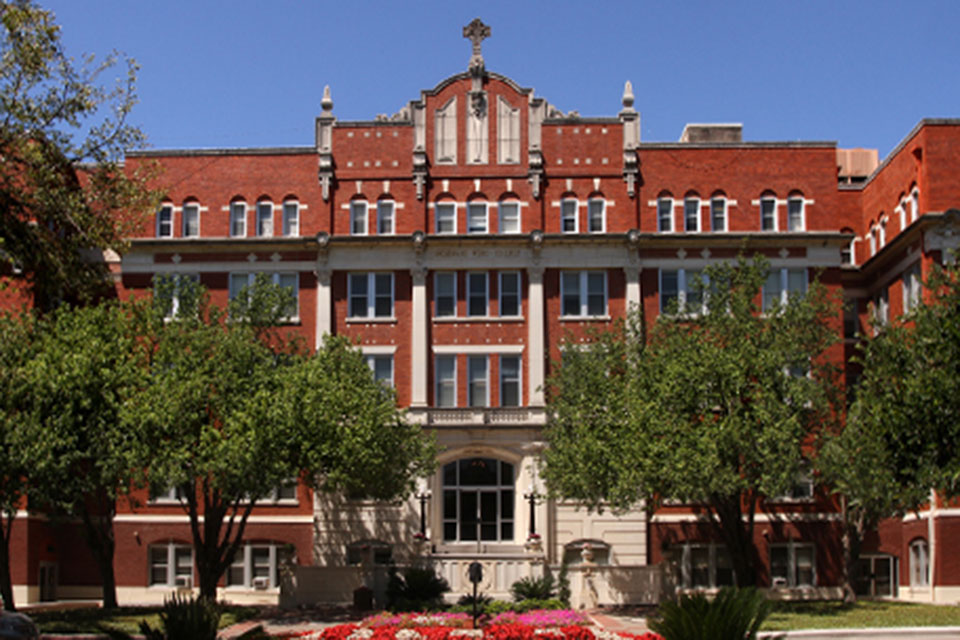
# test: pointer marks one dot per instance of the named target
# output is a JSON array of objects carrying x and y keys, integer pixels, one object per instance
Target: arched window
[
  {"x": 478, "y": 500},
  {"x": 238, "y": 218},
  {"x": 691, "y": 213},
  {"x": 718, "y": 212},
  {"x": 919, "y": 563},
  {"x": 768, "y": 211},
  {"x": 665, "y": 212},
  {"x": 796, "y": 212}
]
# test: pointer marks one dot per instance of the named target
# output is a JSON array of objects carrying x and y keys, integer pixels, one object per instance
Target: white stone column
[
  {"x": 535, "y": 336},
  {"x": 419, "y": 356},
  {"x": 324, "y": 306},
  {"x": 632, "y": 273}
]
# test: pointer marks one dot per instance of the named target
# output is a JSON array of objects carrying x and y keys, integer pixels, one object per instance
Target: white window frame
[
  {"x": 264, "y": 222},
  {"x": 872, "y": 237},
  {"x": 901, "y": 211},
  {"x": 164, "y": 227},
  {"x": 445, "y": 383},
  {"x": 882, "y": 237},
  {"x": 386, "y": 217},
  {"x": 665, "y": 203},
  {"x": 683, "y": 288},
  {"x": 473, "y": 207},
  {"x": 914, "y": 204},
  {"x": 919, "y": 563},
  {"x": 691, "y": 203},
  {"x": 190, "y": 210},
  {"x": 437, "y": 276},
  {"x": 359, "y": 217},
  {"x": 774, "y": 214},
  {"x": 372, "y": 359},
  {"x": 566, "y": 216},
  {"x": 176, "y": 279},
  {"x": 802, "y": 221},
  {"x": 803, "y": 486},
  {"x": 244, "y": 560},
  {"x": 792, "y": 567},
  {"x": 171, "y": 568},
  {"x": 291, "y": 218},
  {"x": 783, "y": 291},
  {"x": 722, "y": 201},
  {"x": 584, "y": 294},
  {"x": 881, "y": 308},
  {"x": 713, "y": 549},
  {"x": 238, "y": 219},
  {"x": 474, "y": 380},
  {"x": 509, "y": 222},
  {"x": 474, "y": 277},
  {"x": 370, "y": 295},
  {"x": 911, "y": 287},
  {"x": 169, "y": 495},
  {"x": 519, "y": 293},
  {"x": 447, "y": 224},
  {"x": 591, "y": 228},
  {"x": 276, "y": 277},
  {"x": 503, "y": 381}
]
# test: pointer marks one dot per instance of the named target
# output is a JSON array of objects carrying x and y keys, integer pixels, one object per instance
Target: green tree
[
  {"x": 63, "y": 194},
  {"x": 88, "y": 362},
  {"x": 900, "y": 437},
  {"x": 16, "y": 349},
  {"x": 713, "y": 406},
  {"x": 233, "y": 412}
]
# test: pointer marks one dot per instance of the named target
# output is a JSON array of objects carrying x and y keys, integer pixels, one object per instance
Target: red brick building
[{"x": 456, "y": 242}]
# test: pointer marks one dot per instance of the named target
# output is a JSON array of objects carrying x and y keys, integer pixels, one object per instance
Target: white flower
[{"x": 407, "y": 634}]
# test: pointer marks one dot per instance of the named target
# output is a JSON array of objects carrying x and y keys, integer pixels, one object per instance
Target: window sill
[
  {"x": 604, "y": 318},
  {"x": 390, "y": 320},
  {"x": 471, "y": 319}
]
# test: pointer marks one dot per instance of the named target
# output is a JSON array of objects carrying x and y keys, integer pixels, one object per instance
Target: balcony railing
[{"x": 479, "y": 416}]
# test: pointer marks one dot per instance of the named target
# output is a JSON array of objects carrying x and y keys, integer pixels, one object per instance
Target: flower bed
[{"x": 560, "y": 624}]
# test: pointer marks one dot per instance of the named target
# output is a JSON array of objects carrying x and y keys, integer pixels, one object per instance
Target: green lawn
[
  {"x": 126, "y": 619},
  {"x": 789, "y": 616}
]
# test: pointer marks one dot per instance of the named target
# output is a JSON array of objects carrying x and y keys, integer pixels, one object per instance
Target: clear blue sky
[{"x": 247, "y": 73}]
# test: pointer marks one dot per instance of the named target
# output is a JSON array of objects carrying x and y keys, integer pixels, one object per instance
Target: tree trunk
[
  {"x": 98, "y": 528},
  {"x": 6, "y": 582},
  {"x": 852, "y": 540},
  {"x": 726, "y": 517}
]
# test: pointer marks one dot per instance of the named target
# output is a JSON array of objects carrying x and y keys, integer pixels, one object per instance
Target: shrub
[
  {"x": 185, "y": 618},
  {"x": 419, "y": 588},
  {"x": 732, "y": 614},
  {"x": 531, "y": 588}
]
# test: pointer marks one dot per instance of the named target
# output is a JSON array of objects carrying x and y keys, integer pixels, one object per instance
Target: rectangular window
[
  {"x": 881, "y": 308},
  {"x": 171, "y": 565},
  {"x": 477, "y": 376},
  {"x": 191, "y": 220},
  {"x": 509, "y": 381},
  {"x": 477, "y": 294},
  {"x": 170, "y": 292},
  {"x": 792, "y": 565},
  {"x": 264, "y": 219},
  {"x": 914, "y": 205},
  {"x": 911, "y": 288},
  {"x": 783, "y": 284},
  {"x": 256, "y": 567},
  {"x": 358, "y": 218},
  {"x": 718, "y": 214},
  {"x": 445, "y": 294},
  {"x": 291, "y": 281},
  {"x": 291, "y": 218},
  {"x": 681, "y": 291},
  {"x": 446, "y": 372},
  {"x": 477, "y": 217},
  {"x": 382, "y": 368},
  {"x": 583, "y": 293},
  {"x": 508, "y": 132},
  {"x": 665, "y": 215},
  {"x": 370, "y": 295},
  {"x": 596, "y": 215},
  {"x": 510, "y": 293},
  {"x": 919, "y": 564},
  {"x": 795, "y": 221},
  {"x": 385, "y": 214},
  {"x": 509, "y": 214},
  {"x": 768, "y": 214},
  {"x": 568, "y": 215},
  {"x": 165, "y": 222},
  {"x": 706, "y": 566},
  {"x": 238, "y": 219},
  {"x": 691, "y": 215},
  {"x": 446, "y": 214}
]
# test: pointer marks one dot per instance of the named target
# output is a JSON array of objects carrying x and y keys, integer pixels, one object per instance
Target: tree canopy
[
  {"x": 64, "y": 196},
  {"x": 714, "y": 404}
]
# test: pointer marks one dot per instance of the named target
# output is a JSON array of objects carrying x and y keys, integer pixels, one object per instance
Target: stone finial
[
  {"x": 476, "y": 31},
  {"x": 326, "y": 103},
  {"x": 628, "y": 95}
]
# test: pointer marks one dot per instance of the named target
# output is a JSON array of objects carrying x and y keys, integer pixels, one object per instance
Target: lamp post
[{"x": 423, "y": 496}]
